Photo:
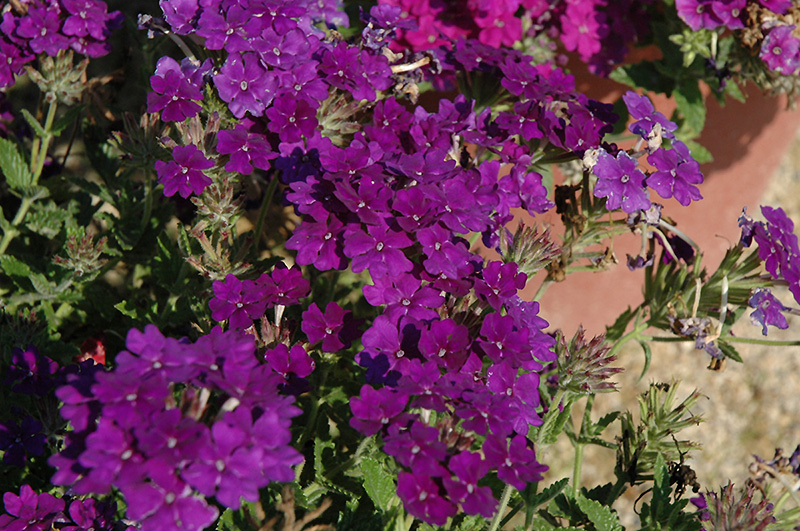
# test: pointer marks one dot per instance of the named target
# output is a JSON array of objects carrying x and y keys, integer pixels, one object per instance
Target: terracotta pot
[{"x": 747, "y": 140}]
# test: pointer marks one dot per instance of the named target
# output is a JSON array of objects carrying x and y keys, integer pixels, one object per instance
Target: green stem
[
  {"x": 730, "y": 339},
  {"x": 636, "y": 333},
  {"x": 501, "y": 509},
  {"x": 542, "y": 289}
]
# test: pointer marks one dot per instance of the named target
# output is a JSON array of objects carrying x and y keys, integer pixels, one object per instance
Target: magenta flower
[
  {"x": 336, "y": 328},
  {"x": 184, "y": 174},
  {"x": 781, "y": 50},
  {"x": 246, "y": 150},
  {"x": 375, "y": 409},
  {"x": 245, "y": 84},
  {"x": 30, "y": 511},
  {"x": 174, "y": 91},
  {"x": 240, "y": 302},
  {"x": 422, "y": 498},
  {"x": 292, "y": 118}
]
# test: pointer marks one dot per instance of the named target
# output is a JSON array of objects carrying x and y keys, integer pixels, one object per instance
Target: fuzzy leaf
[
  {"x": 603, "y": 518},
  {"x": 13, "y": 166},
  {"x": 13, "y": 267},
  {"x": 34, "y": 123},
  {"x": 549, "y": 493},
  {"x": 378, "y": 484}
]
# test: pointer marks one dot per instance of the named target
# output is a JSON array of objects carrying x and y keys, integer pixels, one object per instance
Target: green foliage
[{"x": 13, "y": 166}]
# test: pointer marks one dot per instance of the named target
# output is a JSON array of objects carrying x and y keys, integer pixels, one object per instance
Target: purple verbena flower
[
  {"x": 767, "y": 310},
  {"x": 374, "y": 409},
  {"x": 469, "y": 468},
  {"x": 423, "y": 498},
  {"x": 240, "y": 302},
  {"x": 19, "y": 440},
  {"x": 184, "y": 174},
  {"x": 30, "y": 372},
  {"x": 646, "y": 116},
  {"x": 174, "y": 90},
  {"x": 245, "y": 85},
  {"x": 780, "y": 50},
  {"x": 678, "y": 173},
  {"x": 335, "y": 328},
  {"x": 30, "y": 511},
  {"x": 621, "y": 182}
]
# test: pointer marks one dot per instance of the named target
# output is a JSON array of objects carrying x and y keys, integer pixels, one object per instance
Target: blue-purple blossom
[
  {"x": 18, "y": 440},
  {"x": 767, "y": 310},
  {"x": 620, "y": 182},
  {"x": 677, "y": 174},
  {"x": 646, "y": 116}
]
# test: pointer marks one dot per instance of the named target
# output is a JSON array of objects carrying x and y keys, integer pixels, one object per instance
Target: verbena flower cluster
[
  {"x": 452, "y": 375},
  {"x": 31, "y": 27},
  {"x": 175, "y": 423}
]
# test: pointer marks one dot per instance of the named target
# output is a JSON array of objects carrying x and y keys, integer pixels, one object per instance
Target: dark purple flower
[
  {"x": 469, "y": 468},
  {"x": 767, "y": 310},
  {"x": 295, "y": 360},
  {"x": 41, "y": 25},
  {"x": 240, "y": 302},
  {"x": 245, "y": 85},
  {"x": 303, "y": 80},
  {"x": 30, "y": 372},
  {"x": 284, "y": 50},
  {"x": 184, "y": 174},
  {"x": 319, "y": 243},
  {"x": 403, "y": 295},
  {"x": 166, "y": 502},
  {"x": 180, "y": 14},
  {"x": 30, "y": 511},
  {"x": 417, "y": 448},
  {"x": 445, "y": 253},
  {"x": 515, "y": 462},
  {"x": 621, "y": 182},
  {"x": 86, "y": 18},
  {"x": 499, "y": 282},
  {"x": 292, "y": 118},
  {"x": 422, "y": 498},
  {"x": 336, "y": 328},
  {"x": 12, "y": 62},
  {"x": 174, "y": 91},
  {"x": 374, "y": 409},
  {"x": 18, "y": 441},
  {"x": 284, "y": 286},
  {"x": 246, "y": 150},
  {"x": 378, "y": 249},
  {"x": 91, "y": 514},
  {"x": 446, "y": 343},
  {"x": 677, "y": 174}
]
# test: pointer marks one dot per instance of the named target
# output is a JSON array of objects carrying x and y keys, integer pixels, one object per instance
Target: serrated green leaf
[
  {"x": 46, "y": 219},
  {"x": 548, "y": 493},
  {"x": 41, "y": 284},
  {"x": 13, "y": 267},
  {"x": 13, "y": 166},
  {"x": 733, "y": 90},
  {"x": 540, "y": 524},
  {"x": 225, "y": 521},
  {"x": 729, "y": 351},
  {"x": 603, "y": 518},
  {"x": 34, "y": 123},
  {"x": 378, "y": 483}
]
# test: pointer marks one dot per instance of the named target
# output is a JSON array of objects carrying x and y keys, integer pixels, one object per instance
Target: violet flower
[
  {"x": 184, "y": 175},
  {"x": 621, "y": 182},
  {"x": 767, "y": 310}
]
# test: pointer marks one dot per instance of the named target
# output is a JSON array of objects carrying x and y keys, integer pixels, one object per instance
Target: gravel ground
[{"x": 749, "y": 408}]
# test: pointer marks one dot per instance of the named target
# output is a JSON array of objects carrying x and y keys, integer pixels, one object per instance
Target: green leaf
[
  {"x": 648, "y": 356},
  {"x": 67, "y": 119},
  {"x": 729, "y": 351},
  {"x": 41, "y": 284},
  {"x": 548, "y": 493},
  {"x": 691, "y": 106},
  {"x": 554, "y": 424},
  {"x": 34, "y": 123},
  {"x": 13, "y": 267},
  {"x": 699, "y": 152},
  {"x": 378, "y": 483},
  {"x": 645, "y": 75},
  {"x": 46, "y": 219},
  {"x": 603, "y": 518},
  {"x": 13, "y": 166}
]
